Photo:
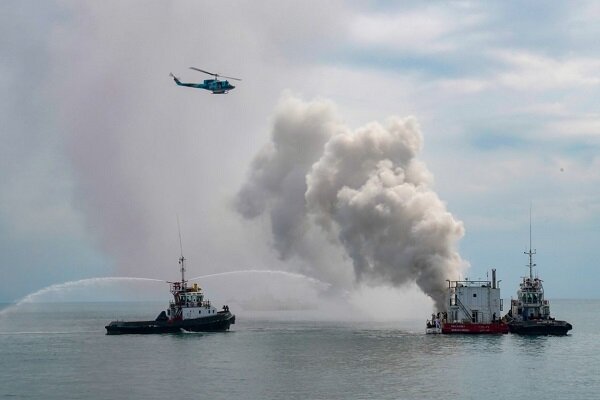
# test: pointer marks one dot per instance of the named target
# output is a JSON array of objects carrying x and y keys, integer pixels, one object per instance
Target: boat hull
[
  {"x": 216, "y": 323},
  {"x": 540, "y": 327},
  {"x": 474, "y": 328}
]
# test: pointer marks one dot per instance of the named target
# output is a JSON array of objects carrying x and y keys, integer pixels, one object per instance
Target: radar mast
[
  {"x": 182, "y": 258},
  {"x": 531, "y": 252}
]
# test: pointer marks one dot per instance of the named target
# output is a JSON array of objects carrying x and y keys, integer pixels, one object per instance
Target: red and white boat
[{"x": 472, "y": 307}]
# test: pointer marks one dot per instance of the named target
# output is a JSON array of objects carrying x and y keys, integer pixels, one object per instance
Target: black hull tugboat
[
  {"x": 529, "y": 313},
  {"x": 188, "y": 311}
]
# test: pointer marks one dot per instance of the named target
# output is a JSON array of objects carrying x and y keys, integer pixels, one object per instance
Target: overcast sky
[{"x": 100, "y": 151}]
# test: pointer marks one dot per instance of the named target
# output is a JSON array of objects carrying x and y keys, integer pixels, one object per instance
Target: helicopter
[{"x": 214, "y": 85}]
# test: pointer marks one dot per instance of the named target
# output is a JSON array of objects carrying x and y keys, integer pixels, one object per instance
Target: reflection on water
[{"x": 531, "y": 345}]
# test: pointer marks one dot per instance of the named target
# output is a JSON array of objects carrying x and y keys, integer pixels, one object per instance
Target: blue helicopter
[{"x": 214, "y": 85}]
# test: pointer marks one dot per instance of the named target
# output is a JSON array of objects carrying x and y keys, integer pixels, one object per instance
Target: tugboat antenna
[
  {"x": 182, "y": 258},
  {"x": 531, "y": 252}
]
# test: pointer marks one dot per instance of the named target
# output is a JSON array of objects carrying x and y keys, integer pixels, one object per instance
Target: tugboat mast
[
  {"x": 182, "y": 263},
  {"x": 182, "y": 258},
  {"x": 530, "y": 253}
]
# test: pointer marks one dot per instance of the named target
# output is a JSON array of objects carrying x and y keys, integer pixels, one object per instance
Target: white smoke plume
[
  {"x": 277, "y": 182},
  {"x": 365, "y": 189}
]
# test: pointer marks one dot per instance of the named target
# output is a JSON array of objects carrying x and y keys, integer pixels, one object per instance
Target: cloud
[
  {"x": 462, "y": 86},
  {"x": 531, "y": 71},
  {"x": 582, "y": 127},
  {"x": 425, "y": 30}
]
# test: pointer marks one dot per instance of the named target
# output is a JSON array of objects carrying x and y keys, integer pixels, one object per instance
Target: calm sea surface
[{"x": 60, "y": 351}]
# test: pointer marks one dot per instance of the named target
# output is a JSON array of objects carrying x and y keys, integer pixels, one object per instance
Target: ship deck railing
[{"x": 205, "y": 304}]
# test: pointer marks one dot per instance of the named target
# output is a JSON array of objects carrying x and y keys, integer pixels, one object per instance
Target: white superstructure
[
  {"x": 188, "y": 303},
  {"x": 474, "y": 301}
]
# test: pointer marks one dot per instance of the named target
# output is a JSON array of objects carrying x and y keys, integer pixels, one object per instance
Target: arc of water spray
[
  {"x": 314, "y": 281},
  {"x": 30, "y": 298}
]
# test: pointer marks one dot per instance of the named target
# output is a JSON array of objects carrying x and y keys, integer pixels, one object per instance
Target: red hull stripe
[{"x": 474, "y": 328}]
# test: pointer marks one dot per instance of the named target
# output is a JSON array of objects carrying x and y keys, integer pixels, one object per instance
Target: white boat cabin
[
  {"x": 189, "y": 303},
  {"x": 474, "y": 301},
  {"x": 530, "y": 302}
]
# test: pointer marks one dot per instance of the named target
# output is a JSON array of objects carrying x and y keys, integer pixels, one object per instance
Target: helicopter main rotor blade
[
  {"x": 201, "y": 70},
  {"x": 215, "y": 75},
  {"x": 230, "y": 77}
]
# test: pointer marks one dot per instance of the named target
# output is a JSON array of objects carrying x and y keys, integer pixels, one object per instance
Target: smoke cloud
[
  {"x": 277, "y": 182},
  {"x": 364, "y": 189}
]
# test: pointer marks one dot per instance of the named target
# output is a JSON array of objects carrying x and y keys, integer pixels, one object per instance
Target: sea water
[{"x": 61, "y": 351}]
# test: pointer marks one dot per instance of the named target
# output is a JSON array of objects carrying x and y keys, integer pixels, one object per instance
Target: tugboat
[
  {"x": 188, "y": 311},
  {"x": 473, "y": 307},
  {"x": 529, "y": 313}
]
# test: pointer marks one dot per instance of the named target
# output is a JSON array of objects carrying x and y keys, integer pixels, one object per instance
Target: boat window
[{"x": 474, "y": 294}]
